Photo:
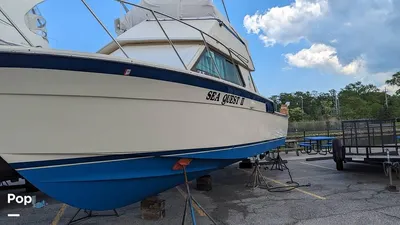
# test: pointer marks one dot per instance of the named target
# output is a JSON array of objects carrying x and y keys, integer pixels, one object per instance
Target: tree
[
  {"x": 326, "y": 108},
  {"x": 395, "y": 81},
  {"x": 385, "y": 113},
  {"x": 296, "y": 114},
  {"x": 356, "y": 101}
]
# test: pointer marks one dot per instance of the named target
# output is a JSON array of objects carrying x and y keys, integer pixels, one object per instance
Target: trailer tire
[
  {"x": 337, "y": 150},
  {"x": 338, "y": 153}
]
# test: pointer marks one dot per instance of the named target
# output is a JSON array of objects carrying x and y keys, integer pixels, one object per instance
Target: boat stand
[
  {"x": 278, "y": 163},
  {"x": 256, "y": 178},
  {"x": 181, "y": 164},
  {"x": 89, "y": 214},
  {"x": 388, "y": 166}
]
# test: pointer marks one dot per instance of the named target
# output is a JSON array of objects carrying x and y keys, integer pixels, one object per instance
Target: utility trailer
[{"x": 366, "y": 141}]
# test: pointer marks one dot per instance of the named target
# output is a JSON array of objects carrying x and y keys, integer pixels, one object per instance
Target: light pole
[
  {"x": 386, "y": 98},
  {"x": 302, "y": 104},
  {"x": 338, "y": 106}
]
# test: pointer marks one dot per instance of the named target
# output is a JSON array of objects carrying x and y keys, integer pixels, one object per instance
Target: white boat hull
[
  {"x": 52, "y": 115},
  {"x": 53, "y": 112}
]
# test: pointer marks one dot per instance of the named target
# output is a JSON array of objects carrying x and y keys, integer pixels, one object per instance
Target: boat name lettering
[{"x": 227, "y": 98}]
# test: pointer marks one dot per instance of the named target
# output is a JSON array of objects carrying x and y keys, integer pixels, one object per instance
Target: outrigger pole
[{"x": 226, "y": 12}]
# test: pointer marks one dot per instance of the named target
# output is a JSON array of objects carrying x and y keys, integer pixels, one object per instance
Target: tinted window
[{"x": 226, "y": 70}]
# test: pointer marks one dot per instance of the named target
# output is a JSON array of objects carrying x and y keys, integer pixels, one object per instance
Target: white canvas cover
[
  {"x": 180, "y": 9},
  {"x": 20, "y": 12}
]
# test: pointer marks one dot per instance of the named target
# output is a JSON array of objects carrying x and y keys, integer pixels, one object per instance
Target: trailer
[{"x": 366, "y": 141}]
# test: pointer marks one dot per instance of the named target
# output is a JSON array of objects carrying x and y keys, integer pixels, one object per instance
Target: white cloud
[
  {"x": 364, "y": 35},
  {"x": 378, "y": 78},
  {"x": 324, "y": 57},
  {"x": 347, "y": 24},
  {"x": 285, "y": 24},
  {"x": 390, "y": 89},
  {"x": 267, "y": 41},
  {"x": 287, "y": 68}
]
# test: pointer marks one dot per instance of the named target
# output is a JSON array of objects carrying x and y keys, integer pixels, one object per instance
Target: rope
[{"x": 284, "y": 188}]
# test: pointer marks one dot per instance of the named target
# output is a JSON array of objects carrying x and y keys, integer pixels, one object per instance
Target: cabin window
[{"x": 226, "y": 69}]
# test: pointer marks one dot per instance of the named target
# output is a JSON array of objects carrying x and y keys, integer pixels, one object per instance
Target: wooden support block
[
  {"x": 204, "y": 183},
  {"x": 152, "y": 208}
]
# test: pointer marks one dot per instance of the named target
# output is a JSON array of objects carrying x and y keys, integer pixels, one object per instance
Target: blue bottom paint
[{"x": 114, "y": 184}]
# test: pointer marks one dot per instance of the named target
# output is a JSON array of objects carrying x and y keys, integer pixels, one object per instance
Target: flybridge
[
  {"x": 148, "y": 23},
  {"x": 179, "y": 9}
]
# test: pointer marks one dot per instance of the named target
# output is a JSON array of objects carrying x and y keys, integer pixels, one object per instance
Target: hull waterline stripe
[
  {"x": 25, "y": 165},
  {"x": 80, "y": 64}
]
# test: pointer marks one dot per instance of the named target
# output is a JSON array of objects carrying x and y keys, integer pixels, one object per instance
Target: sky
[{"x": 296, "y": 45}]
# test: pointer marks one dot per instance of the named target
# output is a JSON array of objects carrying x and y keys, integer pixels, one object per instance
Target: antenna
[{"x": 226, "y": 12}]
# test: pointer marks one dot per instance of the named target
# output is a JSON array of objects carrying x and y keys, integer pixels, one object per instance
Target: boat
[
  {"x": 104, "y": 130},
  {"x": 34, "y": 26}
]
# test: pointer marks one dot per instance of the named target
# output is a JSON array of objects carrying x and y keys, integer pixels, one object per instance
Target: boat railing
[
  {"x": 155, "y": 13},
  {"x": 203, "y": 34}
]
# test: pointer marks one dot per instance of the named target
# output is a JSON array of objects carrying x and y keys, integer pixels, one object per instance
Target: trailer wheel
[{"x": 338, "y": 153}]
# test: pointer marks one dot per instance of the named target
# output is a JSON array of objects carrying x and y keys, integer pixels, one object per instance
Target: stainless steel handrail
[
  {"x": 212, "y": 56},
  {"x": 230, "y": 51},
  {"x": 104, "y": 27},
  {"x": 169, "y": 40},
  {"x": 238, "y": 55}
]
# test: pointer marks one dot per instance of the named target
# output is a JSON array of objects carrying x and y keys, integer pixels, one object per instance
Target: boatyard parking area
[{"x": 356, "y": 195}]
